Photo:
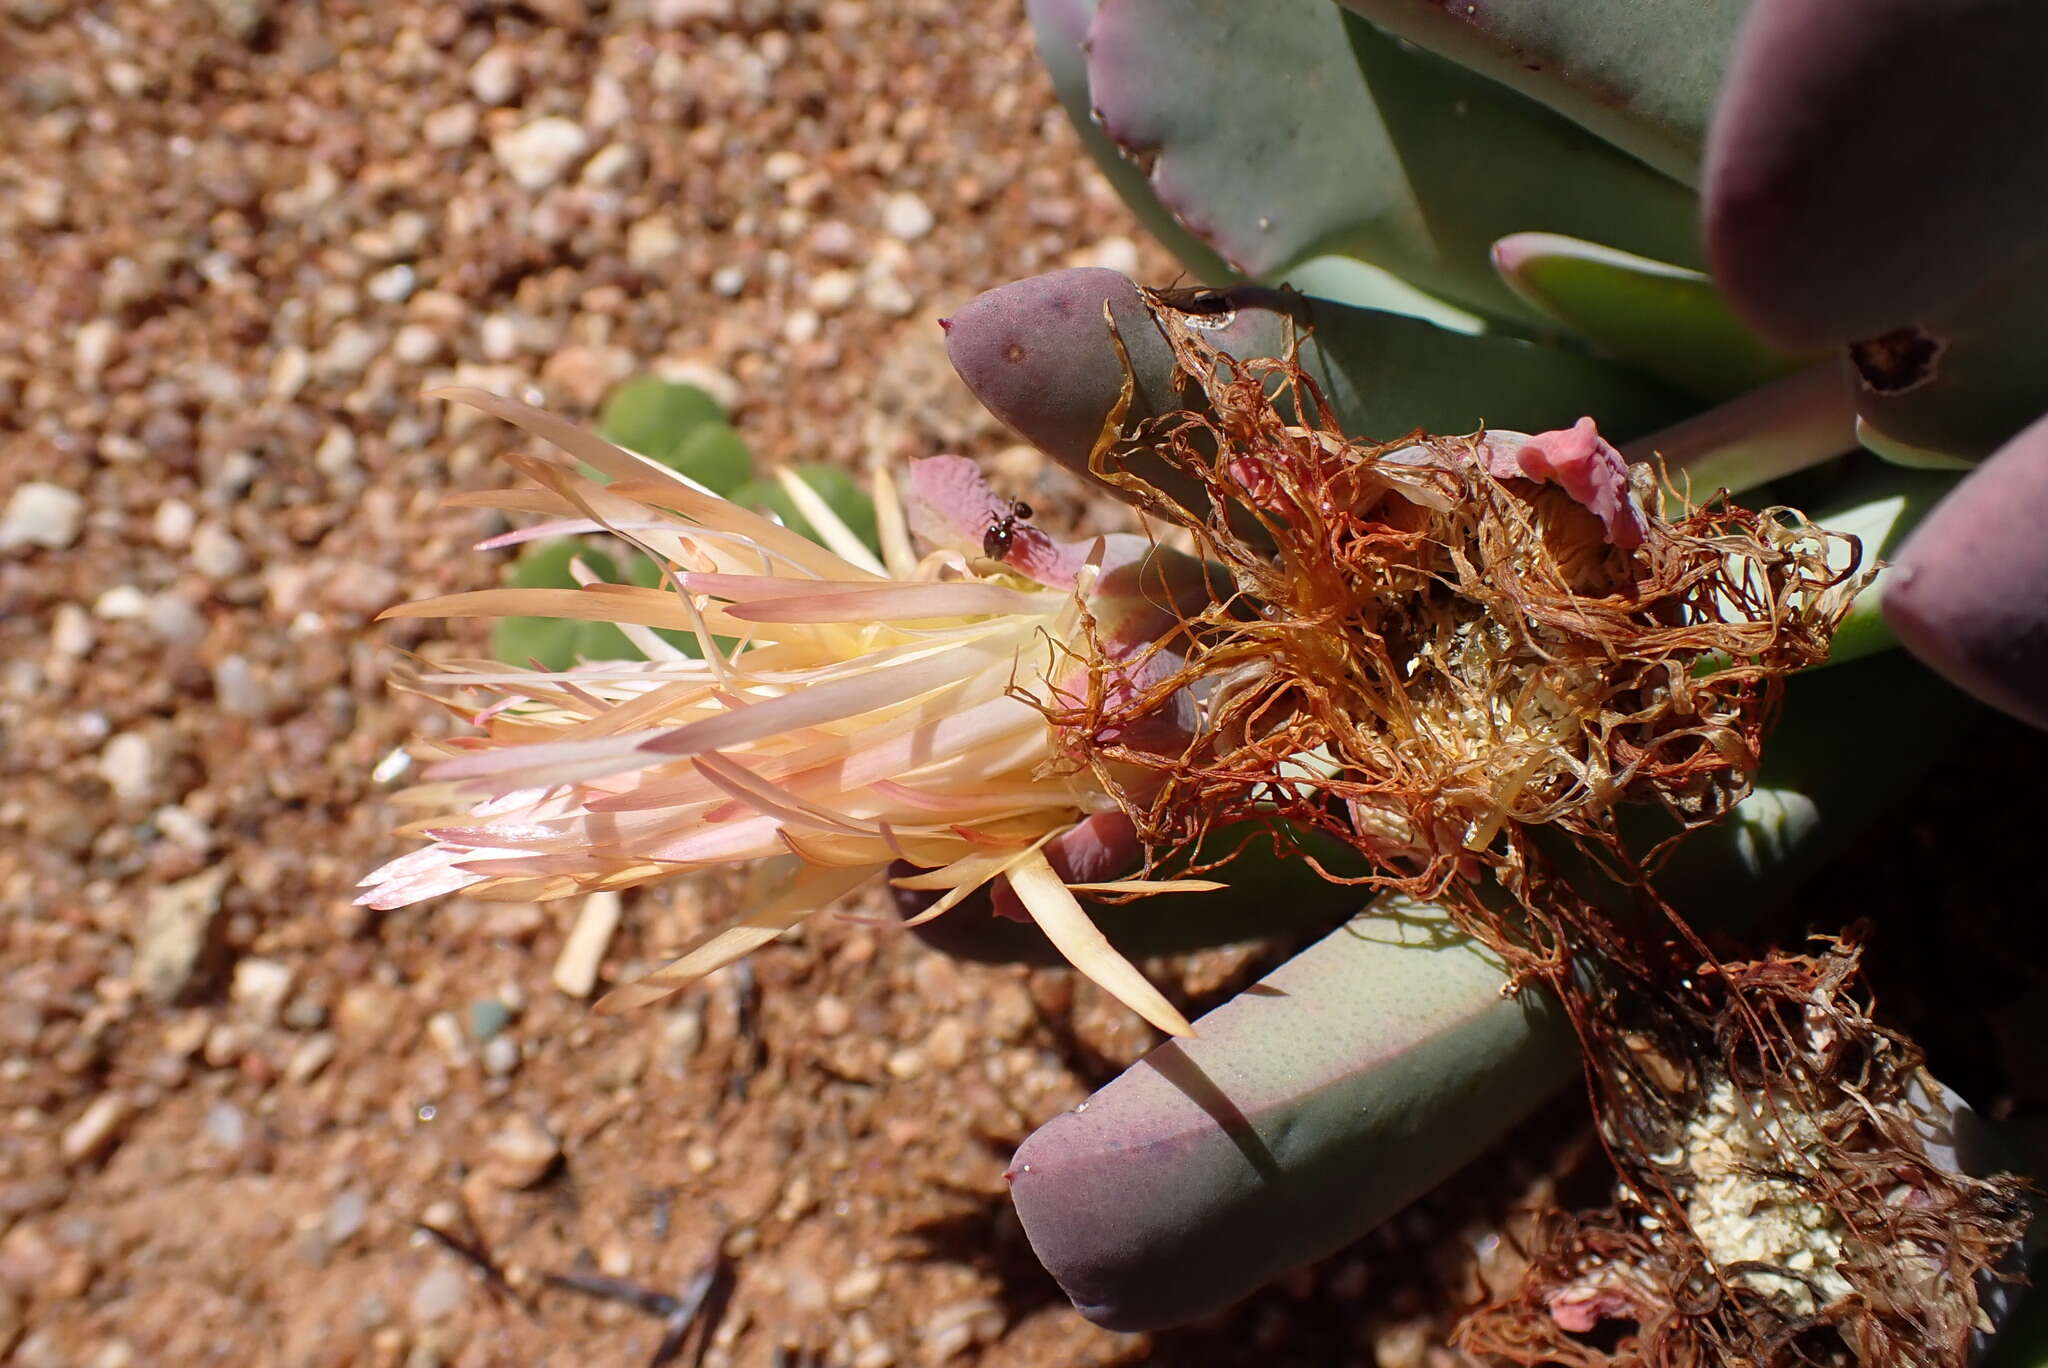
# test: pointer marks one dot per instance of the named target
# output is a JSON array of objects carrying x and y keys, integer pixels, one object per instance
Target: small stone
[
  {"x": 884, "y": 293},
  {"x": 583, "y": 951},
  {"x": 906, "y": 1064},
  {"x": 314, "y": 1054},
  {"x": 500, "y": 1056},
  {"x": 522, "y": 1153},
  {"x": 173, "y": 618},
  {"x": 261, "y": 986},
  {"x": 236, "y": 690},
  {"x": 608, "y": 104},
  {"x": 728, "y": 281},
  {"x": 538, "y": 153},
  {"x": 437, "y": 1296},
  {"x": 183, "y": 829},
  {"x": 713, "y": 381},
  {"x": 906, "y": 217},
  {"x": 498, "y": 335},
  {"x": 832, "y": 291},
  {"x": 242, "y": 20},
  {"x": 446, "y": 1031},
  {"x": 416, "y": 344},
  {"x": 216, "y": 553},
  {"x": 801, "y": 326},
  {"x": 451, "y": 126},
  {"x": 173, "y": 524},
  {"x": 830, "y": 1016},
  {"x": 586, "y": 374},
  {"x": 857, "y": 1288},
  {"x": 71, "y": 632},
  {"x": 44, "y": 515},
  {"x": 880, "y": 1355},
  {"x": 613, "y": 165},
  {"x": 783, "y": 166},
  {"x": 226, "y": 1125},
  {"x": 121, "y": 603},
  {"x": 946, "y": 1045},
  {"x": 652, "y": 241},
  {"x": 349, "y": 352},
  {"x": 346, "y": 1215},
  {"x": 488, "y": 1017},
  {"x": 129, "y": 764},
  {"x": 496, "y": 77},
  {"x": 97, "y": 1129},
  {"x": 336, "y": 454},
  {"x": 92, "y": 348},
  {"x": 393, "y": 284}
]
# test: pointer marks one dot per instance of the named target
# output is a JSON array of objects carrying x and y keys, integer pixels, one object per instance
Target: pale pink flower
[{"x": 871, "y": 710}]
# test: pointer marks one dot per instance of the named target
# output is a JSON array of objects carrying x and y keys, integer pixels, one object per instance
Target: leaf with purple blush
[{"x": 1870, "y": 162}]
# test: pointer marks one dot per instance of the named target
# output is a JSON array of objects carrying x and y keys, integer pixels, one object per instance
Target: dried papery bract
[
  {"x": 1464, "y": 655},
  {"x": 1420, "y": 649}
]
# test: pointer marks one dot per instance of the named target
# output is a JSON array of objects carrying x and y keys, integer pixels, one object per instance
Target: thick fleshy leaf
[
  {"x": 1287, "y": 130},
  {"x": 654, "y": 416},
  {"x": 1667, "y": 319},
  {"x": 1967, "y": 375},
  {"x": 1357, "y": 1076},
  {"x": 1039, "y": 354},
  {"x": 1301, "y": 1118},
  {"x": 1882, "y": 509},
  {"x": 1061, "y": 27},
  {"x": 1868, "y": 163},
  {"x": 1970, "y": 593},
  {"x": 1639, "y": 73}
]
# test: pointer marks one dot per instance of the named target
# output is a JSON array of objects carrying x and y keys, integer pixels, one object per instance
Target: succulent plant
[{"x": 1713, "y": 226}]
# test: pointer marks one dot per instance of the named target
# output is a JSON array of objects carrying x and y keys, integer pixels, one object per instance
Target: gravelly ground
[{"x": 238, "y": 240}]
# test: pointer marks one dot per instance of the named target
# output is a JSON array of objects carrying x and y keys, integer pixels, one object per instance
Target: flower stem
[{"x": 1773, "y": 430}]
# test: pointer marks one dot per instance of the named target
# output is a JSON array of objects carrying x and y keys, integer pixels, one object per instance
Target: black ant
[{"x": 995, "y": 543}]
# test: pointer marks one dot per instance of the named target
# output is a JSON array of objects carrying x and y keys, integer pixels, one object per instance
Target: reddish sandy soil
[{"x": 238, "y": 240}]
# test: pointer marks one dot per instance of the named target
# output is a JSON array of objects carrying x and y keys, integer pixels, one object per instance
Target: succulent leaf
[
  {"x": 1359, "y": 145},
  {"x": 713, "y": 455},
  {"x": 1039, "y": 354},
  {"x": 653, "y": 416},
  {"x": 1970, "y": 590},
  {"x": 1364, "y": 1071},
  {"x": 1856, "y": 176},
  {"x": 1269, "y": 893},
  {"x": 1669, "y": 320},
  {"x": 840, "y": 491},
  {"x": 1640, "y": 74},
  {"x": 1389, "y": 1058},
  {"x": 1967, "y": 375},
  {"x": 1061, "y": 27}
]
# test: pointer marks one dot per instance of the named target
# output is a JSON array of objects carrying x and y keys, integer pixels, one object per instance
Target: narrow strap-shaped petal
[{"x": 1066, "y": 924}]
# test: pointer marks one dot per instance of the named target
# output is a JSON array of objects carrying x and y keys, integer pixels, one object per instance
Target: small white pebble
[
  {"x": 71, "y": 632},
  {"x": 121, "y": 603},
  {"x": 495, "y": 77},
  {"x": 832, "y": 291},
  {"x": 905, "y": 216},
  {"x": 393, "y": 284},
  {"x": 96, "y": 1129},
  {"x": 216, "y": 552},
  {"x": 452, "y": 126},
  {"x": 801, "y": 326},
  {"x": 500, "y": 1056},
  {"x": 537, "y": 154},
  {"x": 728, "y": 281},
  {"x": 43, "y": 515},
  {"x": 128, "y": 763},
  {"x": 173, "y": 524}
]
